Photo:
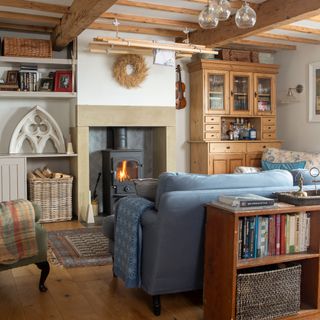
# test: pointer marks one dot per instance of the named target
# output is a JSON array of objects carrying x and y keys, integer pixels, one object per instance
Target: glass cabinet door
[
  {"x": 241, "y": 93},
  {"x": 217, "y": 92},
  {"x": 264, "y": 94}
]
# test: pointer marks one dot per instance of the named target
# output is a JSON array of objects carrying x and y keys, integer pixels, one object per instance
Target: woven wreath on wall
[{"x": 130, "y": 70}]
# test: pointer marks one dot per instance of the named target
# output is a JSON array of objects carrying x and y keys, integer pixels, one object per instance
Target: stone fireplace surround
[{"x": 161, "y": 119}]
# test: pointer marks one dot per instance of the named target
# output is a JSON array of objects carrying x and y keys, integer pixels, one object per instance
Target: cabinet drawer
[
  {"x": 269, "y": 129},
  {"x": 212, "y": 135},
  {"x": 227, "y": 147},
  {"x": 269, "y": 136},
  {"x": 211, "y": 119},
  {"x": 268, "y": 121},
  {"x": 256, "y": 147},
  {"x": 213, "y": 127}
]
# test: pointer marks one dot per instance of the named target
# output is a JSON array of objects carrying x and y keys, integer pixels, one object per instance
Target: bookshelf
[{"x": 222, "y": 262}]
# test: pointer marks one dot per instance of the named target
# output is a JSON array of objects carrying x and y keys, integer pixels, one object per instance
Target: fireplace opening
[{"x": 121, "y": 155}]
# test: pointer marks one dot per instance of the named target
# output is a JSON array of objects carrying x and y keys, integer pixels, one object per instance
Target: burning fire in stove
[{"x": 122, "y": 173}]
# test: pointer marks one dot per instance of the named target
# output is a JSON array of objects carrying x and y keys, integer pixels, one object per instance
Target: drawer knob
[
  {"x": 212, "y": 127},
  {"x": 264, "y": 147},
  {"x": 269, "y": 128},
  {"x": 228, "y": 147}
]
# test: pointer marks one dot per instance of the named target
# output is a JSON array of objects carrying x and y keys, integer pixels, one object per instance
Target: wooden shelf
[
  {"x": 43, "y": 62},
  {"x": 257, "y": 262},
  {"x": 38, "y": 94}
]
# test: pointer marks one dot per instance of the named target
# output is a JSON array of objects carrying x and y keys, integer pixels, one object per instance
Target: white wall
[
  {"x": 293, "y": 126},
  {"x": 96, "y": 86}
]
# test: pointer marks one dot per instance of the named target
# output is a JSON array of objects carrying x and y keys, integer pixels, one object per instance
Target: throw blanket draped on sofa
[
  {"x": 17, "y": 231},
  {"x": 128, "y": 239}
]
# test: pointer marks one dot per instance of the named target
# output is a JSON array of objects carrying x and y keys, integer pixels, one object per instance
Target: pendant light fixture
[
  {"x": 207, "y": 18},
  {"x": 245, "y": 17},
  {"x": 220, "y": 10},
  {"x": 223, "y": 10}
]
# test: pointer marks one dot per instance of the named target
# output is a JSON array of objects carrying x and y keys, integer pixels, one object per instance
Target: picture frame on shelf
[
  {"x": 46, "y": 84},
  {"x": 63, "y": 81},
  {"x": 314, "y": 92},
  {"x": 12, "y": 77}
]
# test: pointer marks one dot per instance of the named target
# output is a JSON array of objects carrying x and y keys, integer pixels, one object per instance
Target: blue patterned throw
[{"x": 128, "y": 239}]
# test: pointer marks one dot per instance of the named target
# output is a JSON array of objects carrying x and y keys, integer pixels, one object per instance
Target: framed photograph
[
  {"x": 12, "y": 77},
  {"x": 314, "y": 92},
  {"x": 46, "y": 84},
  {"x": 63, "y": 81}
]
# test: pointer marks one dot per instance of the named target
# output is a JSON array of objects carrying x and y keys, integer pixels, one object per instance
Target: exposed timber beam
[
  {"x": 33, "y": 5},
  {"x": 133, "y": 29},
  {"x": 271, "y": 14},
  {"x": 29, "y": 17},
  {"x": 300, "y": 29},
  {"x": 315, "y": 19},
  {"x": 81, "y": 14},
  {"x": 154, "y": 6},
  {"x": 288, "y": 38},
  {"x": 165, "y": 22},
  {"x": 23, "y": 27},
  {"x": 268, "y": 45}
]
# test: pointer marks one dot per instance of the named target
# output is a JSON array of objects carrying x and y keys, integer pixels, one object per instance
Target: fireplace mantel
[{"x": 161, "y": 119}]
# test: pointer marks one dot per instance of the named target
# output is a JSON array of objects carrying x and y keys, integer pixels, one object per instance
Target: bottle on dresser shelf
[
  {"x": 230, "y": 132},
  {"x": 252, "y": 133},
  {"x": 224, "y": 134}
]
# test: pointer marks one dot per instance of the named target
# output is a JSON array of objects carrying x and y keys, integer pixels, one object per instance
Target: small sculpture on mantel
[{"x": 300, "y": 192}]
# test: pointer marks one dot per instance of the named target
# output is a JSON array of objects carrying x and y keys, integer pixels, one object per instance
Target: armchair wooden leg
[
  {"x": 156, "y": 305},
  {"x": 45, "y": 269}
]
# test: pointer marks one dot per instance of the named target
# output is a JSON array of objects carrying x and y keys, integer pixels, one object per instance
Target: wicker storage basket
[
  {"x": 54, "y": 196},
  {"x": 268, "y": 294},
  {"x": 21, "y": 47}
]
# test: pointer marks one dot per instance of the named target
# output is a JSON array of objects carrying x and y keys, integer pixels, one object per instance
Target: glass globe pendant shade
[
  {"x": 207, "y": 18},
  {"x": 245, "y": 17},
  {"x": 222, "y": 10}
]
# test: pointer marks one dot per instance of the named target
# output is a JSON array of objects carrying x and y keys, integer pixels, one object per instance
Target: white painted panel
[{"x": 13, "y": 178}]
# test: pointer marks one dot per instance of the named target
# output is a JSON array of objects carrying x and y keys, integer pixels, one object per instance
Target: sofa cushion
[
  {"x": 170, "y": 181},
  {"x": 281, "y": 155},
  {"x": 146, "y": 188},
  {"x": 268, "y": 165}
]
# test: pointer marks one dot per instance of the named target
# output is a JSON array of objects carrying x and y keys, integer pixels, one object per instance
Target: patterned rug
[{"x": 78, "y": 247}]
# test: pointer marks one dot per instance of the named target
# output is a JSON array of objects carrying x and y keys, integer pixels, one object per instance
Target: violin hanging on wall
[{"x": 181, "y": 101}]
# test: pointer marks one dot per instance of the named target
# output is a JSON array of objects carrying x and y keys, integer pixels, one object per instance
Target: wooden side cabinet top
[{"x": 222, "y": 262}]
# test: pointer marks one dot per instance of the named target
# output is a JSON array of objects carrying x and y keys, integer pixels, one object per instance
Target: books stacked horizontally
[
  {"x": 246, "y": 201},
  {"x": 261, "y": 236}
]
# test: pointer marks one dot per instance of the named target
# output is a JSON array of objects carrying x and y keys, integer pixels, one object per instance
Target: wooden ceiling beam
[
  {"x": 288, "y": 38},
  {"x": 300, "y": 29},
  {"x": 315, "y": 19},
  {"x": 133, "y": 29},
  {"x": 81, "y": 14},
  {"x": 29, "y": 17},
  {"x": 23, "y": 27},
  {"x": 268, "y": 45},
  {"x": 33, "y": 5},
  {"x": 158, "y": 7},
  {"x": 140, "y": 19},
  {"x": 271, "y": 14}
]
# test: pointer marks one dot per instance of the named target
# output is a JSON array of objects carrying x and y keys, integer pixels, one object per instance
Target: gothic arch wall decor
[{"x": 37, "y": 127}]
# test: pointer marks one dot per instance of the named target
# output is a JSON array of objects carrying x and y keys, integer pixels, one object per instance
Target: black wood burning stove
[{"x": 119, "y": 167}]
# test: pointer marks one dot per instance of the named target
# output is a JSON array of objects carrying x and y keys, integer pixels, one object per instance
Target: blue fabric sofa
[{"x": 173, "y": 231}]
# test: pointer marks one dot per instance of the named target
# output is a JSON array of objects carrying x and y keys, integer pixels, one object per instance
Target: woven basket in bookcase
[
  {"x": 21, "y": 47},
  {"x": 54, "y": 196},
  {"x": 268, "y": 294}
]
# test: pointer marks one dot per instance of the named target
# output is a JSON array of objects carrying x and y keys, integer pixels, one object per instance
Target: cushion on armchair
[{"x": 281, "y": 156}]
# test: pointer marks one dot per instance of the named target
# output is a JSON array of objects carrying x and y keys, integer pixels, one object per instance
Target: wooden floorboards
[{"x": 89, "y": 293}]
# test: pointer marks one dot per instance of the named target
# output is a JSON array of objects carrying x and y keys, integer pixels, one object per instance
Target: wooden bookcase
[{"x": 222, "y": 264}]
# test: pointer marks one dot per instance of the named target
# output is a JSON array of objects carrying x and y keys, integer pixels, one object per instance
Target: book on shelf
[
  {"x": 246, "y": 200},
  {"x": 271, "y": 235}
]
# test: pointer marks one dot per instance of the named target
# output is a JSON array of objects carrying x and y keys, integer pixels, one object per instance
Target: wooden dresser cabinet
[{"x": 226, "y": 92}]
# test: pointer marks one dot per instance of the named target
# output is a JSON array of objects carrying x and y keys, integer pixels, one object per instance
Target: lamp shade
[
  {"x": 245, "y": 17},
  {"x": 207, "y": 18}
]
